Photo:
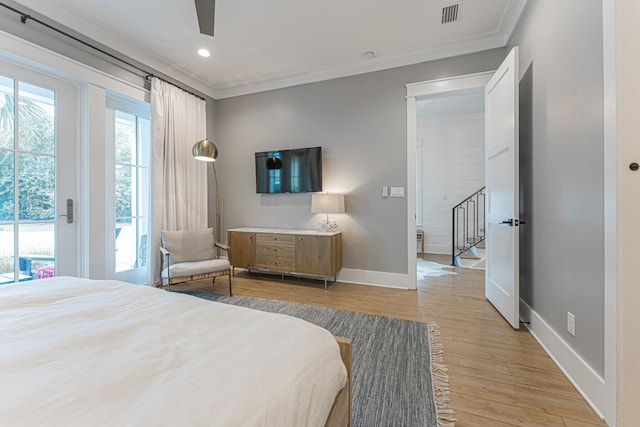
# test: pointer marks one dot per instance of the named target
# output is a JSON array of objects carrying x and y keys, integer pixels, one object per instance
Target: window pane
[
  {"x": 7, "y": 178},
  {"x": 7, "y": 112},
  {"x": 142, "y": 242},
  {"x": 36, "y": 187},
  {"x": 125, "y": 138},
  {"x": 131, "y": 244},
  {"x": 6, "y": 254},
  {"x": 123, "y": 191},
  {"x": 144, "y": 134},
  {"x": 125, "y": 244},
  {"x": 143, "y": 193},
  {"x": 131, "y": 153},
  {"x": 36, "y": 113},
  {"x": 36, "y": 256}
]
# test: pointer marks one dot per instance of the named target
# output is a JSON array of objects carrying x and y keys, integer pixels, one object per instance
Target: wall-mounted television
[{"x": 289, "y": 171}]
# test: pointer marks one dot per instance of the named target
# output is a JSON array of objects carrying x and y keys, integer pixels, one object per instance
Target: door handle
[
  {"x": 69, "y": 214},
  {"x": 510, "y": 222}
]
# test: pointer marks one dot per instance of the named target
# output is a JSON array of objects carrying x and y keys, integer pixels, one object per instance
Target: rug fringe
[{"x": 440, "y": 379}]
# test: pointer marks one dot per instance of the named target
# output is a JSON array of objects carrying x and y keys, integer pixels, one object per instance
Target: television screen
[{"x": 289, "y": 171}]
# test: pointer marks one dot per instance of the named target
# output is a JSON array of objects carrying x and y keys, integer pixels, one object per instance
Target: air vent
[{"x": 450, "y": 13}]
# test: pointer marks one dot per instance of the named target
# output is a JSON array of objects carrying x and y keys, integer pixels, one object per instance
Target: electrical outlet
[{"x": 571, "y": 323}]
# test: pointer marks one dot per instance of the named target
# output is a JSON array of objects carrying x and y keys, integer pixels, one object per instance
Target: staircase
[{"x": 468, "y": 224}]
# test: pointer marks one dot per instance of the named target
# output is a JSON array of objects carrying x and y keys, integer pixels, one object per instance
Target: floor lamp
[{"x": 206, "y": 151}]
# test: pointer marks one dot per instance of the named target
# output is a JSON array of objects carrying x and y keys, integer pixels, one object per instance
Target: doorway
[
  {"x": 449, "y": 170},
  {"x": 432, "y": 96},
  {"x": 38, "y": 225}
]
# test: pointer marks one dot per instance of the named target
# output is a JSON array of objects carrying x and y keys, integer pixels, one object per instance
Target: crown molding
[{"x": 378, "y": 64}]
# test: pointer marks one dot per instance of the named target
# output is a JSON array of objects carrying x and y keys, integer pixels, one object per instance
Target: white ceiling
[{"x": 261, "y": 45}]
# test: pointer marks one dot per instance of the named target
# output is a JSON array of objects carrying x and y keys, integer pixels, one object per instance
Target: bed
[{"x": 80, "y": 352}]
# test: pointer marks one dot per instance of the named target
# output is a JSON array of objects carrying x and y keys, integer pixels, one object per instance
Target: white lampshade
[{"x": 327, "y": 203}]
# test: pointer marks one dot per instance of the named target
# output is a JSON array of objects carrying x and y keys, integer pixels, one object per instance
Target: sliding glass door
[{"x": 38, "y": 176}]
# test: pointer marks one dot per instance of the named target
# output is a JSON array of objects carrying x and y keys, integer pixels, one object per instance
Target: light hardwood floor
[{"x": 498, "y": 376}]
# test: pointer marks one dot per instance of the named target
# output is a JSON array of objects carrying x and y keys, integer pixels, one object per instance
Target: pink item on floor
[{"x": 45, "y": 271}]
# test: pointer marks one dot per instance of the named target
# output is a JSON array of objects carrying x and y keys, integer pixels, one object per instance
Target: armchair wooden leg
[{"x": 230, "y": 288}]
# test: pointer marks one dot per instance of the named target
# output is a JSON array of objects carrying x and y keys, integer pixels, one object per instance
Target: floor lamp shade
[{"x": 205, "y": 150}]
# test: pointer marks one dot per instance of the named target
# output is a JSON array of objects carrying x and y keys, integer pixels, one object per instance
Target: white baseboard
[
  {"x": 430, "y": 248},
  {"x": 374, "y": 278},
  {"x": 362, "y": 277},
  {"x": 586, "y": 380}
]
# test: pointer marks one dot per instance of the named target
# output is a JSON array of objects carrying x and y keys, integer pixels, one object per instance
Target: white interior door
[
  {"x": 502, "y": 221},
  {"x": 38, "y": 175}
]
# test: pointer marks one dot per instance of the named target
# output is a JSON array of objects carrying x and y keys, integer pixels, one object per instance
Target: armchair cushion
[
  {"x": 189, "y": 245},
  {"x": 185, "y": 269}
]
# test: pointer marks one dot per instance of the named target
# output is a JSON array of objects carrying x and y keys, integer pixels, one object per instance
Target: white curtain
[{"x": 178, "y": 181}]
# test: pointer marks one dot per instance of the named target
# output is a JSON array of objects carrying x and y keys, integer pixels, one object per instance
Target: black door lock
[{"x": 634, "y": 166}]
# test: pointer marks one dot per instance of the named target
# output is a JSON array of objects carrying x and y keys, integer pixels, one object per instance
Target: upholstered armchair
[{"x": 192, "y": 255}]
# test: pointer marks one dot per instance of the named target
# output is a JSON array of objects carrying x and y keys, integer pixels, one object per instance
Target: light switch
[
  {"x": 397, "y": 191},
  {"x": 385, "y": 191}
]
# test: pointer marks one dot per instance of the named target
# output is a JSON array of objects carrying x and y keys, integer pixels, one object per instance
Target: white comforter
[{"x": 77, "y": 352}]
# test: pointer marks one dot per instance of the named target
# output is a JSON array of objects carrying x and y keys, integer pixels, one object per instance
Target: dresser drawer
[
  {"x": 276, "y": 252},
  {"x": 273, "y": 240}
]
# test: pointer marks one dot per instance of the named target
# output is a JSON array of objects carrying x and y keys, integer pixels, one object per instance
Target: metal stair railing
[{"x": 467, "y": 224}]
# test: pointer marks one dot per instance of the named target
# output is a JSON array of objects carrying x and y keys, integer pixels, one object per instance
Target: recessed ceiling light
[
  {"x": 369, "y": 54},
  {"x": 204, "y": 53}
]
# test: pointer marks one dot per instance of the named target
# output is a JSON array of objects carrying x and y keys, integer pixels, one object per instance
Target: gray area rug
[{"x": 398, "y": 379}]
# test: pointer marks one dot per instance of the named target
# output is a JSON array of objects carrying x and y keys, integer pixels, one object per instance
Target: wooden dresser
[{"x": 296, "y": 252}]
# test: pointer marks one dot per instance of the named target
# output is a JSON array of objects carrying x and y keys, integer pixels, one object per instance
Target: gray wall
[
  {"x": 562, "y": 153},
  {"x": 361, "y": 124}
]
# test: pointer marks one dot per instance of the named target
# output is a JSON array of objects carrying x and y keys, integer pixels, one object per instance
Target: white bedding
[{"x": 77, "y": 352}]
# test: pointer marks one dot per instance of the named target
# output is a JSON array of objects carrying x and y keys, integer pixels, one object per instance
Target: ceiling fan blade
[{"x": 206, "y": 10}]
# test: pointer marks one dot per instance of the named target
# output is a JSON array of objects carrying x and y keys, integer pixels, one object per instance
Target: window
[{"x": 131, "y": 153}]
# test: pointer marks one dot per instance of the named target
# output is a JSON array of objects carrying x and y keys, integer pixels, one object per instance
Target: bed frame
[{"x": 340, "y": 415}]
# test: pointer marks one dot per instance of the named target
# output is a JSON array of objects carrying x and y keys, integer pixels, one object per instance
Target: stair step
[
  {"x": 469, "y": 256},
  {"x": 479, "y": 246}
]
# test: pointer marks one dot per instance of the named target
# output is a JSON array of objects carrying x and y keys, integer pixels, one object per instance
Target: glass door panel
[
  {"x": 131, "y": 139},
  {"x": 30, "y": 180},
  {"x": 36, "y": 118},
  {"x": 7, "y": 110},
  {"x": 7, "y": 265},
  {"x": 7, "y": 186},
  {"x": 36, "y": 259},
  {"x": 131, "y": 245},
  {"x": 36, "y": 187}
]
